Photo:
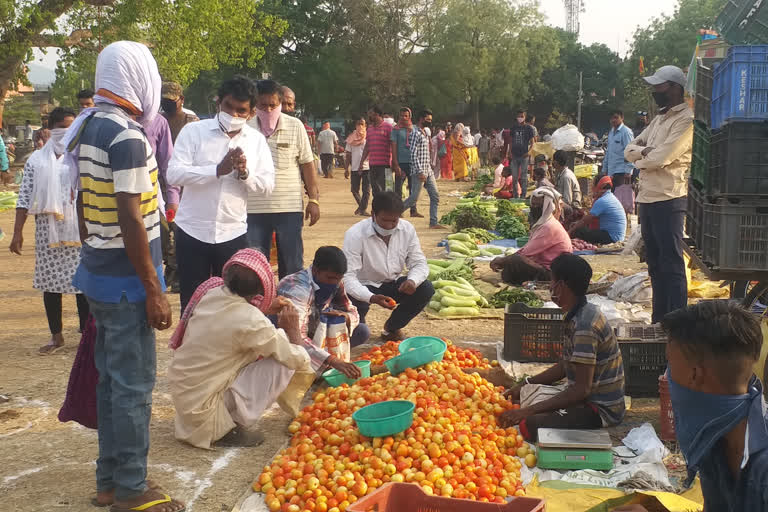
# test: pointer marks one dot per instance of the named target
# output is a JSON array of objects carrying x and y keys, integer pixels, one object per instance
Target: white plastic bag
[
  {"x": 634, "y": 289},
  {"x": 567, "y": 138}
]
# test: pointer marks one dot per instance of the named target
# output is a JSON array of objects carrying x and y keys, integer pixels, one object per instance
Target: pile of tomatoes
[
  {"x": 454, "y": 447},
  {"x": 461, "y": 357}
]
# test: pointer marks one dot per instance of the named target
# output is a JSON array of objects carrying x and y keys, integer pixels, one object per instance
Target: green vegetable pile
[
  {"x": 462, "y": 245},
  {"x": 481, "y": 235},
  {"x": 8, "y": 200},
  {"x": 474, "y": 217},
  {"x": 451, "y": 270},
  {"x": 514, "y": 295},
  {"x": 506, "y": 207},
  {"x": 481, "y": 182},
  {"x": 456, "y": 297},
  {"x": 512, "y": 227}
]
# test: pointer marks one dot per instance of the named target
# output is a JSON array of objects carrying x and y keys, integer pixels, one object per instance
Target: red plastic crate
[{"x": 399, "y": 497}]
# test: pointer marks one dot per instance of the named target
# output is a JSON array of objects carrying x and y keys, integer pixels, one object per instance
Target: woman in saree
[{"x": 459, "y": 154}]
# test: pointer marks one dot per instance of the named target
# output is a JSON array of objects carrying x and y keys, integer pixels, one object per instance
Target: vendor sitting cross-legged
[
  {"x": 323, "y": 305},
  {"x": 378, "y": 250},
  {"x": 594, "y": 395},
  {"x": 548, "y": 240},
  {"x": 230, "y": 363},
  {"x": 607, "y": 212}
]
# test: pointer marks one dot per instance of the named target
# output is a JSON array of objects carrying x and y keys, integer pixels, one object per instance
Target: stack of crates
[{"x": 727, "y": 214}]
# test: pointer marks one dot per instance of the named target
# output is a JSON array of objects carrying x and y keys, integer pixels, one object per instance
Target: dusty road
[{"x": 48, "y": 465}]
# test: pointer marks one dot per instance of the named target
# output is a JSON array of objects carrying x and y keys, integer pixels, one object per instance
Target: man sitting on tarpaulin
[{"x": 230, "y": 363}]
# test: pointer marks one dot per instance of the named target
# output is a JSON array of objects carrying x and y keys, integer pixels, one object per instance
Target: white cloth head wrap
[
  {"x": 551, "y": 204},
  {"x": 126, "y": 76}
]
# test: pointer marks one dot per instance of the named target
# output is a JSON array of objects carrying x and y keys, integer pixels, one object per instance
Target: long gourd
[
  {"x": 457, "y": 301},
  {"x": 459, "y": 311}
]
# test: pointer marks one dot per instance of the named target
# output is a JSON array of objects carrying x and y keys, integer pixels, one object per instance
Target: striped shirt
[
  {"x": 115, "y": 157},
  {"x": 588, "y": 339},
  {"x": 290, "y": 148},
  {"x": 379, "y": 147}
]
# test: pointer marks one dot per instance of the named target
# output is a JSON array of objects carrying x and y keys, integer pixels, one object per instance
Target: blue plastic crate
[{"x": 740, "y": 89}]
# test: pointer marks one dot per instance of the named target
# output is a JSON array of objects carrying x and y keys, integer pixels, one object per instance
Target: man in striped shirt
[
  {"x": 592, "y": 364},
  {"x": 378, "y": 149},
  {"x": 283, "y": 213},
  {"x": 120, "y": 268}
]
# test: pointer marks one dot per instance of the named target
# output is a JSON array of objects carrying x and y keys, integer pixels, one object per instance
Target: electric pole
[{"x": 580, "y": 100}]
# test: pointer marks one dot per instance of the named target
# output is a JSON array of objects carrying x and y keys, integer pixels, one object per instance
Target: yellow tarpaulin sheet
[
  {"x": 596, "y": 499},
  {"x": 542, "y": 148},
  {"x": 585, "y": 170}
]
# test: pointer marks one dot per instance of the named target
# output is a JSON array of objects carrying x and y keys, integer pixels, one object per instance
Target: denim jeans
[
  {"x": 287, "y": 229},
  {"x": 358, "y": 180},
  {"x": 662, "y": 226},
  {"x": 409, "y": 305},
  {"x": 124, "y": 355},
  {"x": 378, "y": 179},
  {"x": 400, "y": 180},
  {"x": 520, "y": 173},
  {"x": 434, "y": 196}
]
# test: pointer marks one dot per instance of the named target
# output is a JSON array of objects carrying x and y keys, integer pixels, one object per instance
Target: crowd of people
[{"x": 135, "y": 194}]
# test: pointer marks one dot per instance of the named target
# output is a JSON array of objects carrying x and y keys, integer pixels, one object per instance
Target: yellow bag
[{"x": 585, "y": 170}]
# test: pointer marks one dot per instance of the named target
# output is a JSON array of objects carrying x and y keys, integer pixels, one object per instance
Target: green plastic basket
[
  {"x": 438, "y": 346},
  {"x": 335, "y": 378},
  {"x": 416, "y": 357},
  {"x": 384, "y": 418}
]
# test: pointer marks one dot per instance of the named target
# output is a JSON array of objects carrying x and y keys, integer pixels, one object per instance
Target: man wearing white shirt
[
  {"x": 378, "y": 250},
  {"x": 219, "y": 162}
]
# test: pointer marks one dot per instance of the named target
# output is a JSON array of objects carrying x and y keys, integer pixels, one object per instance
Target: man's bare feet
[
  {"x": 53, "y": 345},
  {"x": 160, "y": 503}
]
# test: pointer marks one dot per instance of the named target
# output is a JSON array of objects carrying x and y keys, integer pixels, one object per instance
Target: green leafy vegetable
[
  {"x": 481, "y": 182},
  {"x": 474, "y": 217},
  {"x": 483, "y": 235},
  {"x": 511, "y": 227},
  {"x": 514, "y": 295}
]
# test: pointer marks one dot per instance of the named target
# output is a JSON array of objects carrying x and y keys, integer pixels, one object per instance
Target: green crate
[
  {"x": 744, "y": 22},
  {"x": 700, "y": 154}
]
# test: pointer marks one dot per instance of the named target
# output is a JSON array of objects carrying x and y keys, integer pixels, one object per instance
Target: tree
[
  {"x": 185, "y": 37},
  {"x": 668, "y": 40}
]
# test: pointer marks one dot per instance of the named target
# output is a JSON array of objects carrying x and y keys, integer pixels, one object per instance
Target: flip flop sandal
[
  {"x": 147, "y": 505},
  {"x": 150, "y": 484}
]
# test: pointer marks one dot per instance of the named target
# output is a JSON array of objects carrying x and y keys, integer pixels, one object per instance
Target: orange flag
[{"x": 641, "y": 66}]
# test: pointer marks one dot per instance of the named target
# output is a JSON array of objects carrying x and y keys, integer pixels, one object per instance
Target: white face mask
[
  {"x": 229, "y": 123},
  {"x": 520, "y": 120},
  {"x": 380, "y": 230},
  {"x": 57, "y": 139}
]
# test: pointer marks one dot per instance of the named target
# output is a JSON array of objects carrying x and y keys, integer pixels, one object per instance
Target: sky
[{"x": 611, "y": 22}]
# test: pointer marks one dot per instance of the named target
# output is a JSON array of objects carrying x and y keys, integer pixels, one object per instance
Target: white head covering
[
  {"x": 551, "y": 204},
  {"x": 467, "y": 137},
  {"x": 126, "y": 76}
]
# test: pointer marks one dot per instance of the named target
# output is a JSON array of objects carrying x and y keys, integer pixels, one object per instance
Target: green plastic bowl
[
  {"x": 384, "y": 418},
  {"x": 335, "y": 378},
  {"x": 521, "y": 242},
  {"x": 437, "y": 345},
  {"x": 414, "y": 358}
]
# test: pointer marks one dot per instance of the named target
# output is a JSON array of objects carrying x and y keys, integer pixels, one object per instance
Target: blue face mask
[
  {"x": 324, "y": 292},
  {"x": 701, "y": 419}
]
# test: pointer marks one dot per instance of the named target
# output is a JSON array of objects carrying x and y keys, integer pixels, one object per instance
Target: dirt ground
[{"x": 48, "y": 465}]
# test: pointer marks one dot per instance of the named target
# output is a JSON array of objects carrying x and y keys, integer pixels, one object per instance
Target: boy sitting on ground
[{"x": 594, "y": 395}]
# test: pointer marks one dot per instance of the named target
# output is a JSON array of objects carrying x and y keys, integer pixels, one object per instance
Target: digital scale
[{"x": 574, "y": 449}]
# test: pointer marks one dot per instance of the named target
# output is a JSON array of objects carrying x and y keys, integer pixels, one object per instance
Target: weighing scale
[{"x": 574, "y": 449}]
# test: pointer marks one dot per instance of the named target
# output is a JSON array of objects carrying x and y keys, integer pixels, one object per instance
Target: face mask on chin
[
  {"x": 380, "y": 230},
  {"x": 229, "y": 123}
]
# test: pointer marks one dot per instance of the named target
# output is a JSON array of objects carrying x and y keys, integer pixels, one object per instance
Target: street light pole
[{"x": 580, "y": 100}]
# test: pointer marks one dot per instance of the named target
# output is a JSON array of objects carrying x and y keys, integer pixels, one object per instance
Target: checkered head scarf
[{"x": 248, "y": 258}]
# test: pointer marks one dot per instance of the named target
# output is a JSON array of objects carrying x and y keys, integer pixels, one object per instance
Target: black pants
[
  {"x": 517, "y": 271},
  {"x": 409, "y": 305},
  {"x": 359, "y": 179},
  {"x": 378, "y": 179},
  {"x": 593, "y": 236},
  {"x": 52, "y": 303},
  {"x": 326, "y": 163},
  {"x": 168, "y": 241},
  {"x": 576, "y": 417},
  {"x": 199, "y": 261},
  {"x": 662, "y": 226}
]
